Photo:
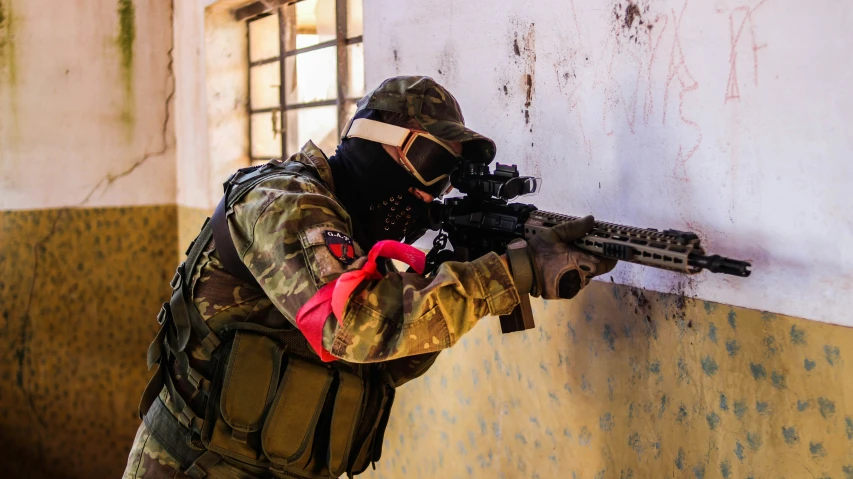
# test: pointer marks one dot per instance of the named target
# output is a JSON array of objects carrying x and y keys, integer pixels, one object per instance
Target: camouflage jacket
[{"x": 278, "y": 230}]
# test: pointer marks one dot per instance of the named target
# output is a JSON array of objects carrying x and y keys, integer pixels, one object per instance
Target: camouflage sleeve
[{"x": 279, "y": 230}]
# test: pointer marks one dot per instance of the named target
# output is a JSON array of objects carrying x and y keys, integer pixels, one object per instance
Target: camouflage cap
[{"x": 433, "y": 107}]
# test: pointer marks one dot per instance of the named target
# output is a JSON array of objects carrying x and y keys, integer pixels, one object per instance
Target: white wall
[
  {"x": 212, "y": 84},
  {"x": 72, "y": 131},
  {"x": 728, "y": 118}
]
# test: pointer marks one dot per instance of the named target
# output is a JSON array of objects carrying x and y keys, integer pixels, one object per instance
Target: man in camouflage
[{"x": 225, "y": 401}]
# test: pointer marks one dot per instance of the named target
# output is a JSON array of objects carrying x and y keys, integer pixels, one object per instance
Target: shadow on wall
[{"x": 623, "y": 383}]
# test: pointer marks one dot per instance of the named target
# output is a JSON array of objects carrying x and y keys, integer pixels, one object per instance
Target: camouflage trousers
[{"x": 149, "y": 459}]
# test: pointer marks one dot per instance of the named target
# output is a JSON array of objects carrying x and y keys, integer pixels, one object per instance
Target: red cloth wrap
[{"x": 332, "y": 298}]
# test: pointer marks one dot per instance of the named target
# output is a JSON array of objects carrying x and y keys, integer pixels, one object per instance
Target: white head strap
[{"x": 377, "y": 131}]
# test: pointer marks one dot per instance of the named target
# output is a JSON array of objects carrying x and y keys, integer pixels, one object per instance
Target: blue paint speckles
[
  {"x": 712, "y": 332},
  {"x": 762, "y": 407},
  {"x": 699, "y": 471},
  {"x": 543, "y": 367},
  {"x": 679, "y": 459},
  {"x": 654, "y": 367},
  {"x": 682, "y": 414},
  {"x": 520, "y": 437},
  {"x": 567, "y": 433},
  {"x": 827, "y": 407},
  {"x": 740, "y": 409},
  {"x": 849, "y": 428},
  {"x": 567, "y": 388},
  {"x": 600, "y": 474},
  {"x": 475, "y": 377},
  {"x": 683, "y": 374},
  {"x": 790, "y": 435},
  {"x": 733, "y": 319},
  {"x": 709, "y": 366},
  {"x": 709, "y": 307},
  {"x": 832, "y": 354},
  {"x": 753, "y": 440},
  {"x": 534, "y": 420},
  {"x": 487, "y": 367},
  {"x": 553, "y": 396},
  {"x": 798, "y": 336},
  {"x": 588, "y": 316},
  {"x": 769, "y": 343},
  {"x": 572, "y": 334},
  {"x": 626, "y": 329},
  {"x": 803, "y": 405},
  {"x": 461, "y": 447},
  {"x": 739, "y": 451},
  {"x": 768, "y": 316},
  {"x": 713, "y": 420},
  {"x": 609, "y": 337},
  {"x": 585, "y": 386},
  {"x": 816, "y": 449},
  {"x": 724, "y": 402},
  {"x": 585, "y": 437},
  {"x": 778, "y": 380},
  {"x": 483, "y": 427},
  {"x": 496, "y": 430},
  {"x": 758, "y": 371},
  {"x": 663, "y": 401},
  {"x": 605, "y": 422},
  {"x": 656, "y": 447},
  {"x": 635, "y": 443},
  {"x": 725, "y": 469},
  {"x": 732, "y": 347},
  {"x": 848, "y": 471},
  {"x": 809, "y": 365}
]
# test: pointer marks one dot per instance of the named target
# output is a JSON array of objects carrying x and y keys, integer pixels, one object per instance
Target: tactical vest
[{"x": 268, "y": 403}]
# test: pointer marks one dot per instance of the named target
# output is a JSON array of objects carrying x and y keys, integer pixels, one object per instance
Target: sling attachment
[{"x": 225, "y": 245}]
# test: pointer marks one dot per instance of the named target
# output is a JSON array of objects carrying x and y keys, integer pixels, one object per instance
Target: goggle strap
[{"x": 377, "y": 131}]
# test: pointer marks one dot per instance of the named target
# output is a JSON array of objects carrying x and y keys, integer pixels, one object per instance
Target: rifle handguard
[{"x": 520, "y": 267}]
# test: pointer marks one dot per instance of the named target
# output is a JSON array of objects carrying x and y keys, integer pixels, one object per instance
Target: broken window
[{"x": 306, "y": 71}]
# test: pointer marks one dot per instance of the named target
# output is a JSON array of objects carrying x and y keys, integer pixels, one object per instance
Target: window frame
[{"x": 287, "y": 42}]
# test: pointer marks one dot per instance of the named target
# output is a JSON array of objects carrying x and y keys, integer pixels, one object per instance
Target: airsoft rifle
[{"x": 484, "y": 220}]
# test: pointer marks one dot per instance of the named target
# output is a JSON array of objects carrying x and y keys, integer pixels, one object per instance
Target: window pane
[
  {"x": 349, "y": 111},
  {"x": 318, "y": 124},
  {"x": 314, "y": 23},
  {"x": 311, "y": 76},
  {"x": 266, "y": 134},
  {"x": 263, "y": 38},
  {"x": 355, "y": 23},
  {"x": 355, "y": 58},
  {"x": 265, "y": 82}
]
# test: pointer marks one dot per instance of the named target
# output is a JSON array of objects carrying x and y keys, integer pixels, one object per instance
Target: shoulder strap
[{"x": 240, "y": 183}]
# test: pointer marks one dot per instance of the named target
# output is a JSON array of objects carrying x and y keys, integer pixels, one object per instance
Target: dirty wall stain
[
  {"x": 124, "y": 40},
  {"x": 8, "y": 73},
  {"x": 630, "y": 401}
]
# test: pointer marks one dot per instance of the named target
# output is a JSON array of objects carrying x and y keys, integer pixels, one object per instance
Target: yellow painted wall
[
  {"x": 189, "y": 224},
  {"x": 622, "y": 383},
  {"x": 79, "y": 292}
]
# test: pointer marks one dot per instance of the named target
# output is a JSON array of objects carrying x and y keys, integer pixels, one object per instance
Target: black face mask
[{"x": 374, "y": 189}]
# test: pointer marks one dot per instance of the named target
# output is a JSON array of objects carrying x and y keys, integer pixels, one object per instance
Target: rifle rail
[{"x": 672, "y": 250}]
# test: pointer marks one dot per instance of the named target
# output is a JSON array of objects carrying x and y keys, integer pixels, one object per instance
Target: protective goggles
[{"x": 424, "y": 156}]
